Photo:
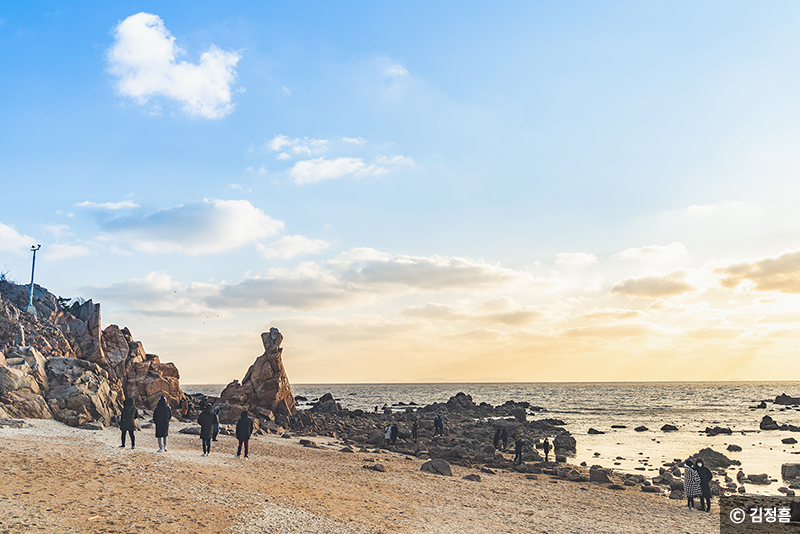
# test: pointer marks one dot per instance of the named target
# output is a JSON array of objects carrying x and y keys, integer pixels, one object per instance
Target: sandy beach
[{"x": 60, "y": 479}]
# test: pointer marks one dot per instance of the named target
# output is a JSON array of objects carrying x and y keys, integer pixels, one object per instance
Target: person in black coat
[
  {"x": 518, "y": 446},
  {"x": 244, "y": 427},
  {"x": 496, "y": 440},
  {"x": 546, "y": 449},
  {"x": 127, "y": 422},
  {"x": 504, "y": 438},
  {"x": 415, "y": 431},
  {"x": 161, "y": 416},
  {"x": 705, "y": 487},
  {"x": 207, "y": 419},
  {"x": 394, "y": 433}
]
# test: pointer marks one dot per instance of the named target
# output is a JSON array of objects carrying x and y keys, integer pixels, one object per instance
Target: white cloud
[
  {"x": 200, "y": 228},
  {"x": 303, "y": 147},
  {"x": 654, "y": 253},
  {"x": 656, "y": 286},
  {"x": 13, "y": 241},
  {"x": 354, "y": 140},
  {"x": 499, "y": 311},
  {"x": 157, "y": 294},
  {"x": 395, "y": 71},
  {"x": 286, "y": 91},
  {"x": 315, "y": 170},
  {"x": 575, "y": 259},
  {"x": 111, "y": 206},
  {"x": 292, "y": 245},
  {"x": 144, "y": 58}
]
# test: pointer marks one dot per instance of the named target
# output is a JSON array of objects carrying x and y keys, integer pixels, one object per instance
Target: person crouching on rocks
[
  {"x": 705, "y": 475},
  {"x": 546, "y": 449},
  {"x": 161, "y": 416},
  {"x": 207, "y": 419},
  {"x": 127, "y": 422},
  {"x": 244, "y": 427},
  {"x": 691, "y": 484}
]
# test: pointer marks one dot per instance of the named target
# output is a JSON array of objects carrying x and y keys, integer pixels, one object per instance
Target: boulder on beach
[
  {"x": 767, "y": 423},
  {"x": 564, "y": 442},
  {"x": 325, "y": 404},
  {"x": 669, "y": 428},
  {"x": 265, "y": 386},
  {"x": 734, "y": 448},
  {"x": 790, "y": 471},
  {"x": 717, "y": 430},
  {"x": 437, "y": 466},
  {"x": 641, "y": 428},
  {"x": 714, "y": 459}
]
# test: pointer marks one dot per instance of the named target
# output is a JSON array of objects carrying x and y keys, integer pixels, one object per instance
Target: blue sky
[{"x": 459, "y": 191}]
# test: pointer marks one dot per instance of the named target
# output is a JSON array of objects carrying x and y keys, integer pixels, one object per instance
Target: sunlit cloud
[
  {"x": 145, "y": 61},
  {"x": 575, "y": 259},
  {"x": 12, "y": 241},
  {"x": 654, "y": 253},
  {"x": 654, "y": 286},
  {"x": 778, "y": 273},
  {"x": 292, "y": 245}
]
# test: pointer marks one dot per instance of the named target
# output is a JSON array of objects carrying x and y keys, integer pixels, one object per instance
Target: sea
[{"x": 690, "y": 406}]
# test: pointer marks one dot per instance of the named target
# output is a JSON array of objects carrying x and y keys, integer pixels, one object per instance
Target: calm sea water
[{"x": 690, "y": 406}]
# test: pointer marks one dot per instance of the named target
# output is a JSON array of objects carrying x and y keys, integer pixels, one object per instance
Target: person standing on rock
[
  {"x": 705, "y": 475},
  {"x": 127, "y": 422},
  {"x": 504, "y": 438},
  {"x": 216, "y": 426},
  {"x": 518, "y": 446},
  {"x": 496, "y": 440},
  {"x": 393, "y": 433},
  {"x": 691, "y": 484},
  {"x": 415, "y": 431},
  {"x": 387, "y": 434},
  {"x": 244, "y": 427},
  {"x": 161, "y": 416},
  {"x": 207, "y": 419},
  {"x": 546, "y": 448}
]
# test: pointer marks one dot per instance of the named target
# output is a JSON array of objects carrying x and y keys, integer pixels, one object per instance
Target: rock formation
[
  {"x": 59, "y": 363},
  {"x": 264, "y": 390}
]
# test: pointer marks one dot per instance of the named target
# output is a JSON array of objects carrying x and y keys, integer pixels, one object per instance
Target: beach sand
[{"x": 57, "y": 479}]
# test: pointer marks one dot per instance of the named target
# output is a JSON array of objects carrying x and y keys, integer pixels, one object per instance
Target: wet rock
[
  {"x": 790, "y": 471},
  {"x": 714, "y": 459},
  {"x": 734, "y": 448},
  {"x": 592, "y": 431},
  {"x": 599, "y": 475},
  {"x": 669, "y": 428},
  {"x": 767, "y": 423},
  {"x": 564, "y": 442},
  {"x": 786, "y": 400},
  {"x": 788, "y": 441},
  {"x": 717, "y": 430},
  {"x": 641, "y": 428},
  {"x": 326, "y": 404}
]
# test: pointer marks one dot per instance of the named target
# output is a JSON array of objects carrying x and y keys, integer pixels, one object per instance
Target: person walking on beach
[
  {"x": 504, "y": 438},
  {"x": 127, "y": 422},
  {"x": 691, "y": 484},
  {"x": 415, "y": 430},
  {"x": 216, "y": 426},
  {"x": 496, "y": 440},
  {"x": 518, "y": 446},
  {"x": 705, "y": 475},
  {"x": 393, "y": 433},
  {"x": 161, "y": 416},
  {"x": 546, "y": 448},
  {"x": 244, "y": 427},
  {"x": 207, "y": 419},
  {"x": 387, "y": 434}
]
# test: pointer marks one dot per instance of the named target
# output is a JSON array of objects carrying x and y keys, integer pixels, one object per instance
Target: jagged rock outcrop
[
  {"x": 264, "y": 390},
  {"x": 59, "y": 363}
]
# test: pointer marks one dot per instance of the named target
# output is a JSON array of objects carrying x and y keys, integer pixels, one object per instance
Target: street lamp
[{"x": 31, "y": 309}]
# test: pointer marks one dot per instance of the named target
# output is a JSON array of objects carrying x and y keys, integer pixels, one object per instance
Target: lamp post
[{"x": 31, "y": 309}]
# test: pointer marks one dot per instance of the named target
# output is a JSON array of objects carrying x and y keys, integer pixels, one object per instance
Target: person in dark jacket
[
  {"x": 244, "y": 427},
  {"x": 127, "y": 421},
  {"x": 415, "y": 431},
  {"x": 185, "y": 408},
  {"x": 546, "y": 448},
  {"x": 161, "y": 416},
  {"x": 394, "y": 433},
  {"x": 705, "y": 487},
  {"x": 215, "y": 433},
  {"x": 496, "y": 440},
  {"x": 518, "y": 446},
  {"x": 207, "y": 419},
  {"x": 504, "y": 438}
]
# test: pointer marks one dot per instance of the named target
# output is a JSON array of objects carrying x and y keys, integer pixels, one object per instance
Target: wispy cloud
[
  {"x": 779, "y": 273},
  {"x": 144, "y": 59},
  {"x": 210, "y": 226},
  {"x": 12, "y": 241},
  {"x": 112, "y": 206},
  {"x": 655, "y": 286},
  {"x": 301, "y": 147},
  {"x": 291, "y": 246},
  {"x": 575, "y": 259}
]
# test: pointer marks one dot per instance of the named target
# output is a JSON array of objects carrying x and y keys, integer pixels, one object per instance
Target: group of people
[
  {"x": 501, "y": 434},
  {"x": 208, "y": 421},
  {"x": 697, "y": 483}
]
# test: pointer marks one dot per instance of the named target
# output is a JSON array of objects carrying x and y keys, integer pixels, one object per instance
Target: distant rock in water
[
  {"x": 786, "y": 400},
  {"x": 264, "y": 390},
  {"x": 59, "y": 363}
]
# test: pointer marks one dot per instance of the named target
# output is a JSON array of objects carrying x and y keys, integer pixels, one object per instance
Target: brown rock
[{"x": 264, "y": 386}]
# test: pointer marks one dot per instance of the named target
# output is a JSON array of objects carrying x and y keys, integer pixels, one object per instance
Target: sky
[{"x": 414, "y": 191}]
